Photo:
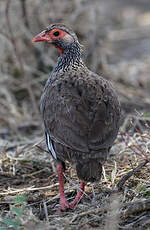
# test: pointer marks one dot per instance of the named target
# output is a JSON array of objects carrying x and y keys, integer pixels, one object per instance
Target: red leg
[
  {"x": 79, "y": 196},
  {"x": 63, "y": 202}
]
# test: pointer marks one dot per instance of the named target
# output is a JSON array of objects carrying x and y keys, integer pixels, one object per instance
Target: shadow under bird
[{"x": 81, "y": 112}]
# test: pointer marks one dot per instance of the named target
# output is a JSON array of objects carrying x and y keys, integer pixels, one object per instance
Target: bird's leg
[
  {"x": 79, "y": 195},
  {"x": 63, "y": 202}
]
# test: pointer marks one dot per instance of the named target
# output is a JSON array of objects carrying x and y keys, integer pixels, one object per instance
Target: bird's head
[{"x": 59, "y": 35}]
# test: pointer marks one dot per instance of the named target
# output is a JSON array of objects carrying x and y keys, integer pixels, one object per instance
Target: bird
[{"x": 80, "y": 110}]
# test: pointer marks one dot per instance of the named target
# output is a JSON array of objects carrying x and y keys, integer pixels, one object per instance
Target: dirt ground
[{"x": 116, "y": 39}]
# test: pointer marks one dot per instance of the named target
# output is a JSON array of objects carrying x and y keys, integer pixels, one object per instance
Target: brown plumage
[{"x": 80, "y": 109}]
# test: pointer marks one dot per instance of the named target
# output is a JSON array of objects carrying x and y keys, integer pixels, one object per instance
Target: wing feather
[{"x": 81, "y": 113}]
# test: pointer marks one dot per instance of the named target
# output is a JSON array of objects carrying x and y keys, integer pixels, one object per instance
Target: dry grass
[
  {"x": 110, "y": 207},
  {"x": 115, "y": 35}
]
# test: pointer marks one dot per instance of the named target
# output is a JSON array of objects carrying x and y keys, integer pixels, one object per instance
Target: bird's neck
[{"x": 70, "y": 58}]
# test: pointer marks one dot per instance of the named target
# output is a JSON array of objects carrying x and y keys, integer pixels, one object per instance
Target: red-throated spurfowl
[{"x": 81, "y": 112}]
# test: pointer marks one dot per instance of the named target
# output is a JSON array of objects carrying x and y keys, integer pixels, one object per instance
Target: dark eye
[{"x": 56, "y": 33}]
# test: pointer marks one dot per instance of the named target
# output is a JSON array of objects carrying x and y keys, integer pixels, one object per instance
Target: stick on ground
[{"x": 129, "y": 174}]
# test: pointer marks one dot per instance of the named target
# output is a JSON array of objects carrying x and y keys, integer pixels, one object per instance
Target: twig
[
  {"x": 129, "y": 174},
  {"x": 46, "y": 211},
  {"x": 28, "y": 189},
  {"x": 40, "y": 148},
  {"x": 142, "y": 221},
  {"x": 92, "y": 211},
  {"x": 24, "y": 13},
  {"x": 126, "y": 137},
  {"x": 13, "y": 40},
  {"x": 138, "y": 206}
]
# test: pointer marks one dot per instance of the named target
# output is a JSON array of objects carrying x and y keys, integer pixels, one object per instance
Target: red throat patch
[{"x": 59, "y": 49}]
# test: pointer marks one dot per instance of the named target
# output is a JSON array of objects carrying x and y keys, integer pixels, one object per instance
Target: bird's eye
[{"x": 56, "y": 33}]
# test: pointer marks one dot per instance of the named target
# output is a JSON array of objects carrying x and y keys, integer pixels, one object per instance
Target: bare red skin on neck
[{"x": 59, "y": 49}]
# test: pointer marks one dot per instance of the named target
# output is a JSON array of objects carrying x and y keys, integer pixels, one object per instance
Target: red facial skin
[{"x": 50, "y": 37}]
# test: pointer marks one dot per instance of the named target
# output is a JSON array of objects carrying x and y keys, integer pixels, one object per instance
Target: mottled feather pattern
[{"x": 81, "y": 116}]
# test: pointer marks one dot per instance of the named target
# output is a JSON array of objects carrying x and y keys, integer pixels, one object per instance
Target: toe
[{"x": 64, "y": 205}]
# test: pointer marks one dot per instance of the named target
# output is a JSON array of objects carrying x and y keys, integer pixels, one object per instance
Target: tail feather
[{"x": 90, "y": 170}]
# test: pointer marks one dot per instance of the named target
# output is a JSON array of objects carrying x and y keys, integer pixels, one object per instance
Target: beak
[{"x": 43, "y": 36}]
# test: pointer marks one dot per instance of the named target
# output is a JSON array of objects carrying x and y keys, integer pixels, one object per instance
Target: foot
[
  {"x": 79, "y": 196},
  {"x": 84, "y": 197},
  {"x": 64, "y": 205},
  {"x": 73, "y": 204}
]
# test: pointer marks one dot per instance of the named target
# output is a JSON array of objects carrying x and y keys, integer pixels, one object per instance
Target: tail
[{"x": 90, "y": 170}]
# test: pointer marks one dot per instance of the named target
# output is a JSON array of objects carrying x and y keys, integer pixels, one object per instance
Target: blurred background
[{"x": 116, "y": 39}]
